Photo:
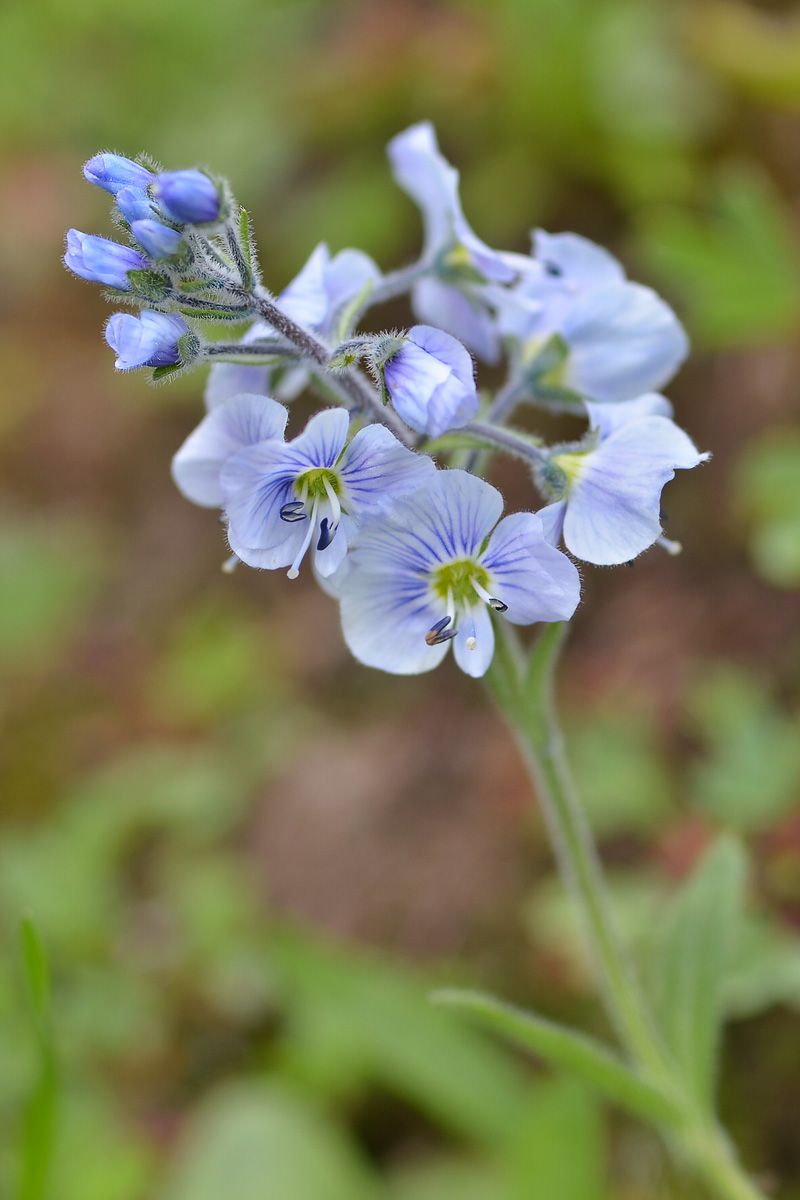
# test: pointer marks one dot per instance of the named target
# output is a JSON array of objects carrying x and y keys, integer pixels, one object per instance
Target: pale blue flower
[
  {"x": 318, "y": 298},
  {"x": 112, "y": 172},
  {"x": 283, "y": 498},
  {"x": 240, "y": 422},
  {"x": 427, "y": 572},
  {"x": 160, "y": 241},
  {"x": 458, "y": 261},
  {"x": 149, "y": 340},
  {"x": 189, "y": 197},
  {"x": 431, "y": 382},
  {"x": 102, "y": 261},
  {"x": 607, "y": 489},
  {"x": 619, "y": 339}
]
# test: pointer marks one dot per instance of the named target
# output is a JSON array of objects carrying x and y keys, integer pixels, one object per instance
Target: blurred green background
[{"x": 250, "y": 859}]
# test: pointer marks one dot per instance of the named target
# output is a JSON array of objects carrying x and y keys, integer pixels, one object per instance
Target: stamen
[
  {"x": 326, "y": 534},
  {"x": 333, "y": 500},
  {"x": 294, "y": 511},
  {"x": 436, "y": 634},
  {"x": 551, "y": 268},
  {"x": 472, "y": 640},
  {"x": 671, "y": 547},
  {"x": 492, "y": 601},
  {"x": 230, "y": 564},
  {"x": 294, "y": 569}
]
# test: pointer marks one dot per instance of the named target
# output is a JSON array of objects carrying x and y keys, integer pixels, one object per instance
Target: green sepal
[
  {"x": 39, "y": 1114},
  {"x": 346, "y": 317},
  {"x": 160, "y": 373},
  {"x": 152, "y": 285},
  {"x": 212, "y": 314},
  {"x": 572, "y": 1050},
  {"x": 246, "y": 247}
]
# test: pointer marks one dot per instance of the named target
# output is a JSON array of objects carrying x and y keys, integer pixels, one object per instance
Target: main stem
[{"x": 525, "y": 693}]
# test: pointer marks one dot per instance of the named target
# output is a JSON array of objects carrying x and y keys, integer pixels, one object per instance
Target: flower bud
[
  {"x": 134, "y": 204},
  {"x": 112, "y": 172},
  {"x": 102, "y": 261},
  {"x": 151, "y": 340},
  {"x": 429, "y": 379},
  {"x": 158, "y": 240},
  {"x": 188, "y": 196}
]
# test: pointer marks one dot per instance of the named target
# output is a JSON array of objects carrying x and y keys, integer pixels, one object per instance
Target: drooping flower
[
  {"x": 430, "y": 380},
  {"x": 160, "y": 241},
  {"x": 189, "y": 197},
  {"x": 283, "y": 498},
  {"x": 243, "y": 421},
  {"x": 102, "y": 261},
  {"x": 112, "y": 172},
  {"x": 607, "y": 489},
  {"x": 427, "y": 572},
  {"x": 149, "y": 340},
  {"x": 614, "y": 340},
  {"x": 449, "y": 295},
  {"x": 318, "y": 298}
]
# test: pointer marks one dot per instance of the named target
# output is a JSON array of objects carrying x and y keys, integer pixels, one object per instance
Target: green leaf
[
  {"x": 694, "y": 951},
  {"x": 557, "y": 1151},
  {"x": 767, "y": 481},
  {"x": 39, "y": 1118},
  {"x": 570, "y": 1049},
  {"x": 253, "y": 1142},
  {"x": 160, "y": 373}
]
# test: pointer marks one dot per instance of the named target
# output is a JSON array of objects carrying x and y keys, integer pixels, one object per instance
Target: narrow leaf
[
  {"x": 694, "y": 953},
  {"x": 38, "y": 1128},
  {"x": 569, "y": 1049}
]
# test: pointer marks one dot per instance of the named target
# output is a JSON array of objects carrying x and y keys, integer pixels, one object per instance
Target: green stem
[{"x": 524, "y": 692}]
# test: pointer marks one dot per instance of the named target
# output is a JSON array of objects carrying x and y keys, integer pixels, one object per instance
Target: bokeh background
[{"x": 248, "y": 858}]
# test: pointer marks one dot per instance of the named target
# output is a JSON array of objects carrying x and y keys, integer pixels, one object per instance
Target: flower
[
  {"x": 426, "y": 573},
  {"x": 430, "y": 380},
  {"x": 458, "y": 262},
  {"x": 150, "y": 340},
  {"x": 282, "y": 497},
  {"x": 135, "y": 204},
  {"x": 319, "y": 298},
  {"x": 616, "y": 339},
  {"x": 101, "y": 261},
  {"x": 238, "y": 423},
  {"x": 158, "y": 240},
  {"x": 189, "y": 197},
  {"x": 112, "y": 172},
  {"x": 607, "y": 489}
]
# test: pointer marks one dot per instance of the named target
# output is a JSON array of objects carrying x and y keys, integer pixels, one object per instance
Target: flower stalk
[{"x": 523, "y": 689}]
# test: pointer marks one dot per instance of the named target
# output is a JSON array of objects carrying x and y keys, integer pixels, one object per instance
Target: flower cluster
[{"x": 382, "y": 491}]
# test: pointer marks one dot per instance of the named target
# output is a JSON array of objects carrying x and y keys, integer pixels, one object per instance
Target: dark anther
[
  {"x": 326, "y": 534},
  {"x": 498, "y": 605},
  {"x": 551, "y": 268},
  {"x": 436, "y": 634},
  {"x": 664, "y": 516},
  {"x": 293, "y": 511}
]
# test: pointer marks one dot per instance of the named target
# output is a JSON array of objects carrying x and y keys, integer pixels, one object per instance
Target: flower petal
[
  {"x": 614, "y": 503},
  {"x": 577, "y": 261},
  {"x": 536, "y": 581},
  {"x": 256, "y": 484},
  {"x": 460, "y": 313},
  {"x": 474, "y": 623},
  {"x": 322, "y": 440},
  {"x": 230, "y": 428},
  {"x": 305, "y": 300},
  {"x": 226, "y": 380},
  {"x": 605, "y": 418},
  {"x": 623, "y": 341},
  {"x": 375, "y": 468}
]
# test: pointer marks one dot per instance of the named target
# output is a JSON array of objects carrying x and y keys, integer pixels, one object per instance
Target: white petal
[
  {"x": 536, "y": 581},
  {"x": 613, "y": 507},
  {"x": 226, "y": 380},
  {"x": 459, "y": 313},
  {"x": 474, "y": 645},
  {"x": 579, "y": 261},
  {"x": 605, "y": 418},
  {"x": 552, "y": 518},
  {"x": 376, "y": 467},
  {"x": 305, "y": 300},
  {"x": 233, "y": 426},
  {"x": 623, "y": 341},
  {"x": 385, "y": 616}
]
